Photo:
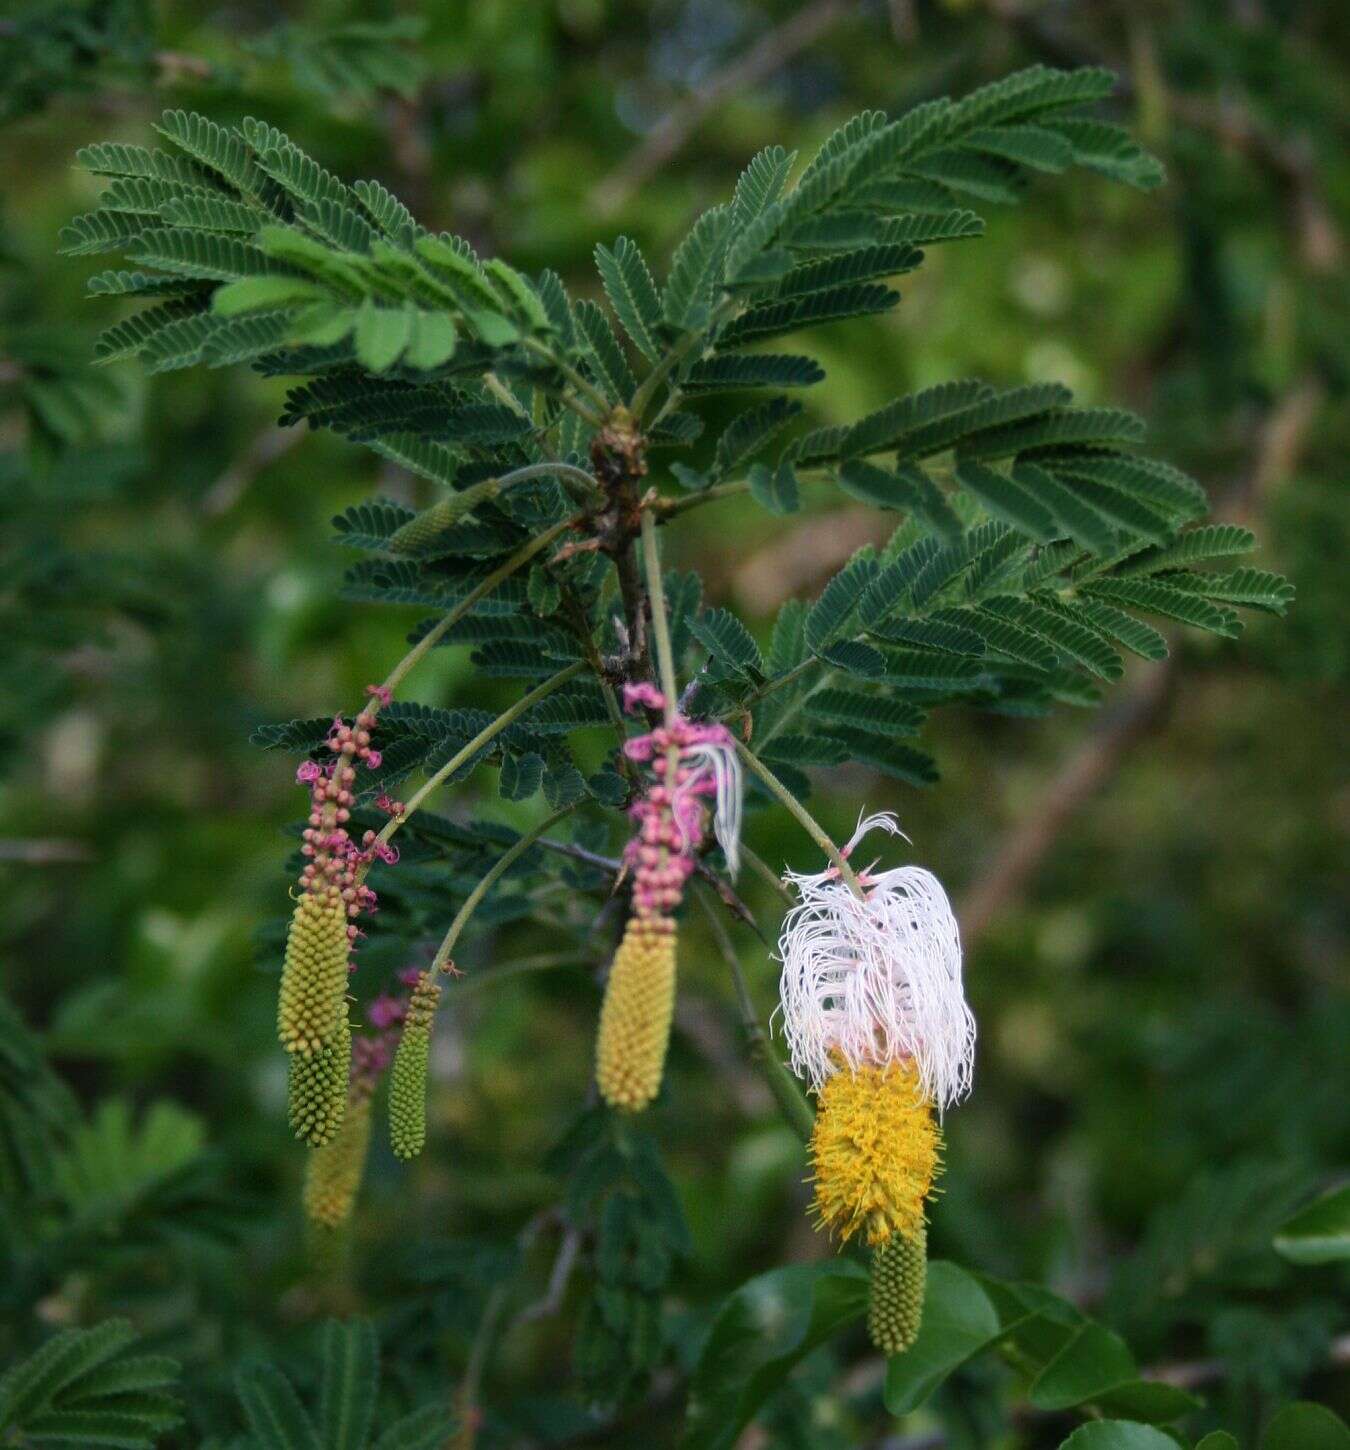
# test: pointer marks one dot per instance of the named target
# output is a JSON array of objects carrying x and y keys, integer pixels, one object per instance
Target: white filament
[
  {"x": 878, "y": 979},
  {"x": 725, "y": 766}
]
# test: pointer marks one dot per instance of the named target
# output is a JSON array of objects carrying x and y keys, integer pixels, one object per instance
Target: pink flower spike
[
  {"x": 308, "y": 772},
  {"x": 374, "y": 759},
  {"x": 642, "y": 695},
  {"x": 639, "y": 748},
  {"x": 387, "y": 853},
  {"x": 381, "y": 692},
  {"x": 410, "y": 976}
]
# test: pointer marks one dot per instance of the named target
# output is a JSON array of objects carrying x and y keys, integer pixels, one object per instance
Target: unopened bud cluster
[
  {"x": 334, "y": 1171},
  {"x": 335, "y": 864},
  {"x": 312, "y": 1005},
  {"x": 408, "y": 1078},
  {"x": 672, "y": 815},
  {"x": 335, "y": 1168},
  {"x": 895, "y": 1299}
]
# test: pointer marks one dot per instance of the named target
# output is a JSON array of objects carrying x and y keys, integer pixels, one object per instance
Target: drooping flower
[
  {"x": 876, "y": 978},
  {"x": 311, "y": 1004},
  {"x": 689, "y": 764},
  {"x": 334, "y": 1171},
  {"x": 635, "y": 1016},
  {"x": 876, "y": 1020},
  {"x": 408, "y": 1077},
  {"x": 317, "y": 1088}
]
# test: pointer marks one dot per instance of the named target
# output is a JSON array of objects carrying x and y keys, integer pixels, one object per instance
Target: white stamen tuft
[
  {"x": 878, "y": 979},
  {"x": 725, "y": 766}
]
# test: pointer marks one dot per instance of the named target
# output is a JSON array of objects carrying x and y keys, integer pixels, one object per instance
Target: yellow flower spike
[
  {"x": 895, "y": 1297},
  {"x": 317, "y": 1088},
  {"x": 635, "y": 1016},
  {"x": 408, "y": 1076},
  {"x": 334, "y": 1171},
  {"x": 313, "y": 994},
  {"x": 875, "y": 1149}
]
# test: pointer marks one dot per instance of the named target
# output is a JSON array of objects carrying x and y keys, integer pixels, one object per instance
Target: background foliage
[{"x": 1151, "y": 896}]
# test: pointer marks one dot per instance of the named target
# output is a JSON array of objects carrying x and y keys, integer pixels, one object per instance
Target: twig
[
  {"x": 767, "y": 874},
  {"x": 520, "y": 966},
  {"x": 725, "y": 893},
  {"x": 674, "y": 130},
  {"x": 495, "y": 872},
  {"x": 470, "y": 1414},
  {"x": 569, "y": 1246},
  {"x": 781, "y": 1084},
  {"x": 1020, "y": 853}
]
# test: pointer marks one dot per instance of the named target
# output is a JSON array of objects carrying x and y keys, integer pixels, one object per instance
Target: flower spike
[{"x": 876, "y": 979}]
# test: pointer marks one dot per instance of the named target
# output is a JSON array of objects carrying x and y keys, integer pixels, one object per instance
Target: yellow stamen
[{"x": 876, "y": 1150}]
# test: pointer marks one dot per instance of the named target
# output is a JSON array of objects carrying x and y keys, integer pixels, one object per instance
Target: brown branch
[
  {"x": 1019, "y": 855},
  {"x": 615, "y": 867},
  {"x": 676, "y": 128}
]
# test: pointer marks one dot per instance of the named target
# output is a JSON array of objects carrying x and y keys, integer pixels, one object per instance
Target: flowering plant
[{"x": 1030, "y": 535}]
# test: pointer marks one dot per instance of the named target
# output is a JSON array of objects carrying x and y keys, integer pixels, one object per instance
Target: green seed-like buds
[
  {"x": 312, "y": 1001},
  {"x": 334, "y": 1171},
  {"x": 318, "y": 1088},
  {"x": 895, "y": 1302},
  {"x": 408, "y": 1076},
  {"x": 420, "y": 532}
]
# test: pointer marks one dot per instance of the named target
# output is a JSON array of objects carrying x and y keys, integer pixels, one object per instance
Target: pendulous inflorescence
[
  {"x": 408, "y": 1077},
  {"x": 312, "y": 1020},
  {"x": 876, "y": 1019},
  {"x": 688, "y": 763}
]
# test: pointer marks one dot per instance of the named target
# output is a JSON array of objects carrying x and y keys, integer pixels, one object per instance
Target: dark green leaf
[
  {"x": 761, "y": 1332},
  {"x": 958, "y": 1322}
]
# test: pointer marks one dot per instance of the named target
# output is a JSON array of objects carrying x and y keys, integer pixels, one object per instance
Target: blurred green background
[{"x": 1152, "y": 894}]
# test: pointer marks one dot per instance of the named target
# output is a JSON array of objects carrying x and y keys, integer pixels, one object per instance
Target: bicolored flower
[
  {"x": 876, "y": 1020},
  {"x": 876, "y": 979},
  {"x": 690, "y": 765}
]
